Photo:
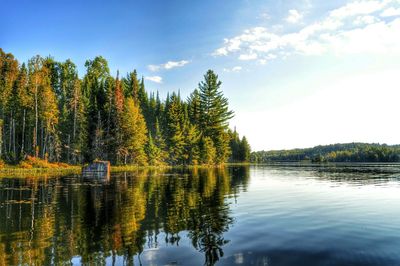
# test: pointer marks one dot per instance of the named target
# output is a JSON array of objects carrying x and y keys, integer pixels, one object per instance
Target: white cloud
[
  {"x": 172, "y": 64},
  {"x": 340, "y": 31},
  {"x": 294, "y": 16},
  {"x": 390, "y": 12},
  {"x": 246, "y": 57},
  {"x": 156, "y": 79},
  {"x": 363, "y": 7},
  {"x": 168, "y": 65},
  {"x": 262, "y": 61},
  {"x": 233, "y": 69},
  {"x": 363, "y": 20},
  {"x": 153, "y": 67}
]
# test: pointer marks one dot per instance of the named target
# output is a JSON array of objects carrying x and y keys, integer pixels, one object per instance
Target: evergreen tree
[
  {"x": 47, "y": 111},
  {"x": 8, "y": 75},
  {"x": 45, "y": 136},
  {"x": 234, "y": 144},
  {"x": 194, "y": 107},
  {"x": 245, "y": 150},
  {"x": 131, "y": 86},
  {"x": 155, "y": 154},
  {"x": 95, "y": 98},
  {"x": 175, "y": 129},
  {"x": 79, "y": 124},
  {"x": 134, "y": 134},
  {"x": 118, "y": 122},
  {"x": 159, "y": 142},
  {"x": 72, "y": 113},
  {"x": 21, "y": 103},
  {"x": 214, "y": 114},
  {"x": 143, "y": 97},
  {"x": 208, "y": 153},
  {"x": 192, "y": 150}
]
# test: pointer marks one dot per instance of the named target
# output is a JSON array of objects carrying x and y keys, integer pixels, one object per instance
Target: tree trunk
[
  {"x": 23, "y": 133},
  {"x": 69, "y": 148},
  {"x": 1, "y": 137},
  {"x": 74, "y": 127},
  {"x": 44, "y": 141},
  {"x": 14, "y": 149},
  {"x": 35, "y": 133},
  {"x": 10, "y": 134}
]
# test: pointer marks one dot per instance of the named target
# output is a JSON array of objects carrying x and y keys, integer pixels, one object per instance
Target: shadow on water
[{"x": 58, "y": 220}]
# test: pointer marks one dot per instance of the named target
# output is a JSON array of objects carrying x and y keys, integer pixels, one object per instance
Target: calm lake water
[{"x": 258, "y": 215}]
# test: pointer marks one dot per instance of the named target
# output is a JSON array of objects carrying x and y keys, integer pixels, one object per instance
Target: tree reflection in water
[{"x": 53, "y": 220}]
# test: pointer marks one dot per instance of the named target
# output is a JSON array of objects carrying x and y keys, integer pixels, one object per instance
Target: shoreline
[{"x": 15, "y": 171}]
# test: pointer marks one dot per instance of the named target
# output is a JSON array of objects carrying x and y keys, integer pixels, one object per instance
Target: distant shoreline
[{"x": 355, "y": 152}]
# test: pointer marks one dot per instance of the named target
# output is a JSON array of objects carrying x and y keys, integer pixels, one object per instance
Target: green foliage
[
  {"x": 208, "y": 151},
  {"x": 47, "y": 112},
  {"x": 213, "y": 105},
  {"x": 134, "y": 134},
  {"x": 214, "y": 114},
  {"x": 350, "y": 152},
  {"x": 175, "y": 127},
  {"x": 156, "y": 148}
]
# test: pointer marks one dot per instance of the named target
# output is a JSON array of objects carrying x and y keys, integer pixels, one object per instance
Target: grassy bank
[
  {"x": 33, "y": 167},
  {"x": 15, "y": 171},
  {"x": 38, "y": 168}
]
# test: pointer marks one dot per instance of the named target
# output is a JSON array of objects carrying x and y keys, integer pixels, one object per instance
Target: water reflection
[
  {"x": 55, "y": 220},
  {"x": 341, "y": 173}
]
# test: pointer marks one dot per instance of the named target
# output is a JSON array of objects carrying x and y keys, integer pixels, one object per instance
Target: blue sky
[{"x": 297, "y": 73}]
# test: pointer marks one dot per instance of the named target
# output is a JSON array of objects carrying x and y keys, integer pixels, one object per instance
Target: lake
[{"x": 281, "y": 214}]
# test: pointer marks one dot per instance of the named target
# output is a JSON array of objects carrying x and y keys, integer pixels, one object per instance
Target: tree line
[
  {"x": 47, "y": 111},
  {"x": 349, "y": 152}
]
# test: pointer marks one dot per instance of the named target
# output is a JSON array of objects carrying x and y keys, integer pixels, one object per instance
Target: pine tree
[
  {"x": 244, "y": 150},
  {"x": 234, "y": 144},
  {"x": 192, "y": 150},
  {"x": 48, "y": 114},
  {"x": 131, "y": 86},
  {"x": 21, "y": 102},
  {"x": 207, "y": 151},
  {"x": 175, "y": 129},
  {"x": 79, "y": 124},
  {"x": 214, "y": 114},
  {"x": 47, "y": 111},
  {"x": 118, "y": 117},
  {"x": 194, "y": 107},
  {"x": 8, "y": 74},
  {"x": 134, "y": 134},
  {"x": 143, "y": 97},
  {"x": 94, "y": 93},
  {"x": 159, "y": 142},
  {"x": 45, "y": 136},
  {"x": 72, "y": 113},
  {"x": 155, "y": 155}
]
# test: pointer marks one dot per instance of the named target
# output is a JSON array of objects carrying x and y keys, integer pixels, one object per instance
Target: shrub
[
  {"x": 25, "y": 165},
  {"x": 35, "y": 162}
]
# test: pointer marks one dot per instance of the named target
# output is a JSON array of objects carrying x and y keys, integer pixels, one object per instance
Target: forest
[
  {"x": 47, "y": 112},
  {"x": 350, "y": 152}
]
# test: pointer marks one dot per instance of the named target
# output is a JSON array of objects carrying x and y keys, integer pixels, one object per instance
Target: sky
[{"x": 296, "y": 73}]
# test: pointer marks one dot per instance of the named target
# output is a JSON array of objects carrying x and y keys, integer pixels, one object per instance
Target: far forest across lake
[
  {"x": 350, "y": 152},
  {"x": 49, "y": 113}
]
